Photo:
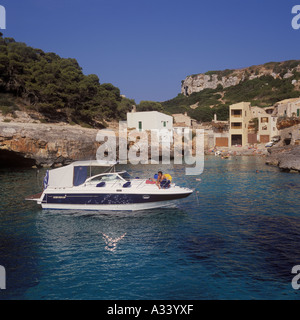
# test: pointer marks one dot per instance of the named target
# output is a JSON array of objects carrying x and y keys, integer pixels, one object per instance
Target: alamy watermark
[
  {"x": 295, "y": 280},
  {"x": 182, "y": 145},
  {"x": 296, "y": 18},
  {"x": 2, "y": 278},
  {"x": 2, "y": 17}
]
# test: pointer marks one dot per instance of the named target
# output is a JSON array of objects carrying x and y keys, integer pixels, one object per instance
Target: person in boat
[
  {"x": 157, "y": 177},
  {"x": 163, "y": 180},
  {"x": 160, "y": 178}
]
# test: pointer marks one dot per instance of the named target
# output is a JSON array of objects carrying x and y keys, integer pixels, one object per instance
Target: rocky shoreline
[
  {"x": 286, "y": 153},
  {"x": 45, "y": 144},
  {"x": 51, "y": 145},
  {"x": 238, "y": 151},
  {"x": 286, "y": 158}
]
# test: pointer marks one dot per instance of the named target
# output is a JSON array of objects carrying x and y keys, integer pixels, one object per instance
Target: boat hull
[{"x": 114, "y": 201}]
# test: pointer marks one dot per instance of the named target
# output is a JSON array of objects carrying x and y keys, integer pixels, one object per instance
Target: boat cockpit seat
[
  {"x": 101, "y": 184},
  {"x": 165, "y": 184}
]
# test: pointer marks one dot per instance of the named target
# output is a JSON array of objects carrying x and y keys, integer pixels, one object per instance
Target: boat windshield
[
  {"x": 125, "y": 175},
  {"x": 105, "y": 177}
]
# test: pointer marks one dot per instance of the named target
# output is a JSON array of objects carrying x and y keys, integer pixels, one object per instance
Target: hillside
[
  {"x": 202, "y": 95},
  {"x": 55, "y": 88}
]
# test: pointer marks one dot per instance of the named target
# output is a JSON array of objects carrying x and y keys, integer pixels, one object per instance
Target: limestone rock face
[
  {"x": 228, "y": 78},
  {"x": 200, "y": 82},
  {"x": 47, "y": 145}
]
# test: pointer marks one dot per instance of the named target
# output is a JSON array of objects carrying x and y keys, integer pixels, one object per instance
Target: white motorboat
[{"x": 73, "y": 187}]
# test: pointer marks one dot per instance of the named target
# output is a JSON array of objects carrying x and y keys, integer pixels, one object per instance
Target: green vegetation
[
  {"x": 149, "y": 106},
  {"x": 206, "y": 114},
  {"x": 282, "y": 67},
  {"x": 262, "y": 92},
  {"x": 220, "y": 74},
  {"x": 208, "y": 102},
  {"x": 7, "y": 104},
  {"x": 179, "y": 104},
  {"x": 255, "y": 124},
  {"x": 56, "y": 87}
]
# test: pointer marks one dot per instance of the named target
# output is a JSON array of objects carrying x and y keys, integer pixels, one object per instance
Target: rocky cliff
[
  {"x": 228, "y": 78},
  {"x": 45, "y": 145}
]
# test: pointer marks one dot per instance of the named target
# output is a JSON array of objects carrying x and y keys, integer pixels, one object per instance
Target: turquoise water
[{"x": 237, "y": 239}]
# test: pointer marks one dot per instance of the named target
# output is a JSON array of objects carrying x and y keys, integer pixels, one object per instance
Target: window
[
  {"x": 125, "y": 175},
  {"x": 236, "y": 113},
  {"x": 264, "y": 120},
  {"x": 140, "y": 125},
  {"x": 105, "y": 177},
  {"x": 298, "y": 112}
]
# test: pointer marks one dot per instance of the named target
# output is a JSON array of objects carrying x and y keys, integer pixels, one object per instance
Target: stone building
[
  {"x": 288, "y": 108},
  {"x": 239, "y": 118}
]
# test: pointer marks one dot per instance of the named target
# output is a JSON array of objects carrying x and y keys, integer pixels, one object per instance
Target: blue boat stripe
[{"x": 94, "y": 199}]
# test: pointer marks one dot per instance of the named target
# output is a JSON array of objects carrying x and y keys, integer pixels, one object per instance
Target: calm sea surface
[{"x": 238, "y": 238}]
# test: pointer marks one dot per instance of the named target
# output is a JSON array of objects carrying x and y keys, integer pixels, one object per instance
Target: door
[
  {"x": 264, "y": 138},
  {"x": 252, "y": 138},
  {"x": 236, "y": 139},
  {"x": 221, "y": 142}
]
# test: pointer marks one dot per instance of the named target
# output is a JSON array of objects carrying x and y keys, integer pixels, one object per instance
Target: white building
[{"x": 148, "y": 120}]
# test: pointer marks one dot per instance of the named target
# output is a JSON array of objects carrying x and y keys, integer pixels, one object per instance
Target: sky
[{"x": 146, "y": 47}]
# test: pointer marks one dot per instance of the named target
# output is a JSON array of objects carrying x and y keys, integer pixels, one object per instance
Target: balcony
[
  {"x": 236, "y": 126},
  {"x": 236, "y": 116}
]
